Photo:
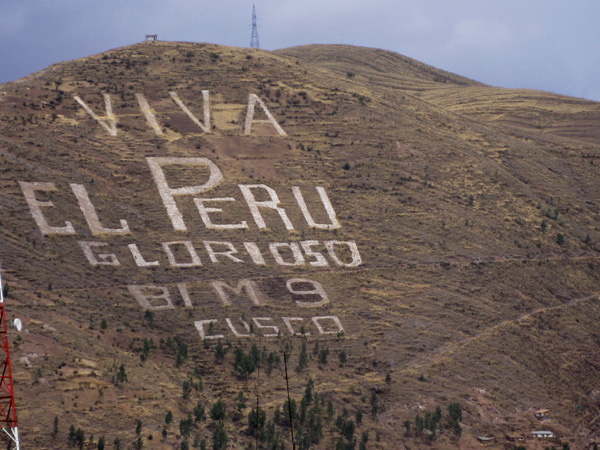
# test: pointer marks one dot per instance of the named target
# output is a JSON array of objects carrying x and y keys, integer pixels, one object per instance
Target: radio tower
[
  {"x": 8, "y": 414},
  {"x": 254, "y": 38}
]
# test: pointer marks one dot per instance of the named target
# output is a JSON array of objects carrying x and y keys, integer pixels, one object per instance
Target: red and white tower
[{"x": 8, "y": 414}]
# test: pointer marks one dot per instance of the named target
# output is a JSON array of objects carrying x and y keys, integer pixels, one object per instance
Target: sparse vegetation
[
  {"x": 121, "y": 376},
  {"x": 374, "y": 403},
  {"x": 244, "y": 363},
  {"x": 199, "y": 414},
  {"x": 217, "y": 412},
  {"x": 446, "y": 284},
  {"x": 455, "y": 417},
  {"x": 76, "y": 437},
  {"x": 302, "y": 359},
  {"x": 219, "y": 438},
  {"x": 186, "y": 389}
]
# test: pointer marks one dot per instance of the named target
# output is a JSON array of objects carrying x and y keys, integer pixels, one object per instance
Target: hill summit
[{"x": 188, "y": 228}]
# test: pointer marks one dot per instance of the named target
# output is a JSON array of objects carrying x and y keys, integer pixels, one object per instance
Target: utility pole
[
  {"x": 8, "y": 414},
  {"x": 287, "y": 386},
  {"x": 254, "y": 38}
]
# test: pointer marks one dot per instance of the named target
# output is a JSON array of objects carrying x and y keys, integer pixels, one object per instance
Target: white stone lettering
[
  {"x": 317, "y": 290},
  {"x": 195, "y": 259},
  {"x": 199, "y": 324},
  {"x": 139, "y": 259},
  {"x": 168, "y": 194},
  {"x": 261, "y": 326},
  {"x": 326, "y": 204},
  {"x": 148, "y": 113},
  {"x": 205, "y": 99},
  {"x": 336, "y": 321},
  {"x": 227, "y": 253},
  {"x": 288, "y": 324},
  {"x": 296, "y": 253},
  {"x": 356, "y": 259},
  {"x": 109, "y": 122},
  {"x": 255, "y": 254},
  {"x": 35, "y": 206},
  {"x": 324, "y": 325},
  {"x": 204, "y": 210},
  {"x": 185, "y": 295},
  {"x": 252, "y": 100},
  {"x": 320, "y": 260},
  {"x": 273, "y": 203},
  {"x": 91, "y": 217},
  {"x": 235, "y": 332},
  {"x": 143, "y": 297},
  {"x": 248, "y": 286},
  {"x": 103, "y": 259}
]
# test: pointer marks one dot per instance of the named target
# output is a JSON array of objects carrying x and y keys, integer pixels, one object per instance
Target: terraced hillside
[{"x": 177, "y": 217}]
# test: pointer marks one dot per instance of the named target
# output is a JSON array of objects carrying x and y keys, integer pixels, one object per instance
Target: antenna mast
[
  {"x": 254, "y": 38},
  {"x": 8, "y": 414}
]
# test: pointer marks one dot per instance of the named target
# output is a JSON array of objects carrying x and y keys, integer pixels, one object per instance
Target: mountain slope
[
  {"x": 418, "y": 233},
  {"x": 520, "y": 108}
]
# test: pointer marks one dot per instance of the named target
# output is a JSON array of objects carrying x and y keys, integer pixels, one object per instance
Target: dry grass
[{"x": 443, "y": 183}]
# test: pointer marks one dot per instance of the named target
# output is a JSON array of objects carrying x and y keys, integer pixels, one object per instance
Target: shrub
[
  {"x": 243, "y": 364},
  {"x": 121, "y": 374},
  {"x": 374, "y": 405},
  {"x": 323, "y": 354},
  {"x": 185, "y": 426},
  {"x": 220, "y": 439},
  {"x": 199, "y": 412},
  {"x": 302, "y": 359},
  {"x": 186, "y": 389},
  {"x": 219, "y": 352},
  {"x": 217, "y": 412}
]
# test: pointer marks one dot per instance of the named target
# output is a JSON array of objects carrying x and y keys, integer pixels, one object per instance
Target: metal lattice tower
[
  {"x": 8, "y": 414},
  {"x": 254, "y": 38}
]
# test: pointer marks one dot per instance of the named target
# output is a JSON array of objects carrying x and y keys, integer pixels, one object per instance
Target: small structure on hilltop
[
  {"x": 514, "y": 437},
  {"x": 542, "y": 414},
  {"x": 543, "y": 434},
  {"x": 152, "y": 37}
]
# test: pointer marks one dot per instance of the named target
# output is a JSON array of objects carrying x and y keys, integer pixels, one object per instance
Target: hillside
[{"x": 409, "y": 238}]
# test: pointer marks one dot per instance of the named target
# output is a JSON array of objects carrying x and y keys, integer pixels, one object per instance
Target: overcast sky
[{"x": 552, "y": 45}]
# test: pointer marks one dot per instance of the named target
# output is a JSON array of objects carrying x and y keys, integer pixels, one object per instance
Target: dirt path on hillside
[{"x": 443, "y": 351}]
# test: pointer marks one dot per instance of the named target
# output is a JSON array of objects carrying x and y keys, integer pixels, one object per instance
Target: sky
[{"x": 552, "y": 45}]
